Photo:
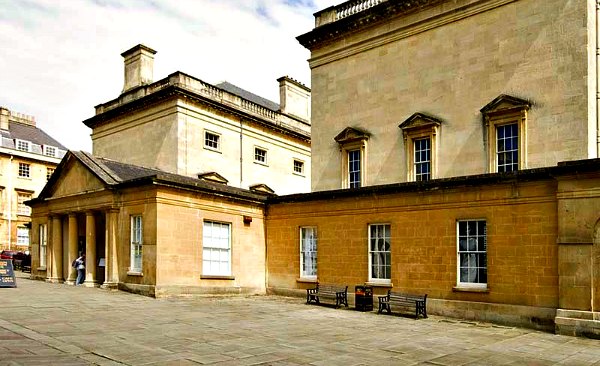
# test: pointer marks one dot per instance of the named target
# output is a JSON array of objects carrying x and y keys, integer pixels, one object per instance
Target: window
[
  {"x": 298, "y": 167},
  {"x": 212, "y": 141},
  {"x": 507, "y": 147},
  {"x": 23, "y": 145},
  {"x": 49, "y": 172},
  {"x": 23, "y": 170},
  {"x": 354, "y": 169},
  {"x": 472, "y": 253},
  {"x": 422, "y": 159},
  {"x": 420, "y": 137},
  {"x": 308, "y": 252},
  {"x": 380, "y": 266},
  {"x": 505, "y": 120},
  {"x": 260, "y": 155},
  {"x": 23, "y": 236},
  {"x": 50, "y": 151},
  {"x": 353, "y": 146},
  {"x": 22, "y": 208},
  {"x": 43, "y": 244},
  {"x": 136, "y": 244},
  {"x": 216, "y": 249}
]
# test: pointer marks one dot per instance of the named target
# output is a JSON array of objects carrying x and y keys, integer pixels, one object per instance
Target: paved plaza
[{"x": 51, "y": 324}]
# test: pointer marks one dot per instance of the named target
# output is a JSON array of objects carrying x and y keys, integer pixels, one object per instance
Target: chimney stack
[
  {"x": 4, "y": 117},
  {"x": 139, "y": 67},
  {"x": 294, "y": 98}
]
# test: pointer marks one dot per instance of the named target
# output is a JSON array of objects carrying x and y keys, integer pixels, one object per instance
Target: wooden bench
[
  {"x": 332, "y": 292},
  {"x": 403, "y": 302}
]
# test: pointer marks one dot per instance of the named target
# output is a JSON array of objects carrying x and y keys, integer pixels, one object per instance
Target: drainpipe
[
  {"x": 241, "y": 154},
  {"x": 9, "y": 193},
  {"x": 597, "y": 79}
]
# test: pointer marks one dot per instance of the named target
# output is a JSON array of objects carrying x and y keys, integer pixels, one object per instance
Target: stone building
[
  {"x": 467, "y": 134},
  {"x": 455, "y": 153},
  {"x": 426, "y": 89},
  {"x": 183, "y": 125},
  {"x": 28, "y": 157},
  {"x": 172, "y": 199}
]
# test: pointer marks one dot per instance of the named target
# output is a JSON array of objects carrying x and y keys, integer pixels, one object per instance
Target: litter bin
[{"x": 363, "y": 298}]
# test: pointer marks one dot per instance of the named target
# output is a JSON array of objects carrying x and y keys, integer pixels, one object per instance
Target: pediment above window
[
  {"x": 213, "y": 177},
  {"x": 263, "y": 188},
  {"x": 420, "y": 120},
  {"x": 505, "y": 103},
  {"x": 350, "y": 134}
]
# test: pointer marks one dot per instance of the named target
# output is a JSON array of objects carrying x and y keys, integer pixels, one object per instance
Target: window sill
[
  {"x": 134, "y": 273},
  {"x": 212, "y": 149},
  {"x": 299, "y": 174},
  {"x": 379, "y": 284},
  {"x": 216, "y": 277},
  {"x": 471, "y": 289},
  {"x": 306, "y": 280},
  {"x": 261, "y": 163}
]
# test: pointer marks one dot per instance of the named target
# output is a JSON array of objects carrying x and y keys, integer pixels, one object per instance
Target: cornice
[
  {"x": 173, "y": 91},
  {"x": 332, "y": 32}
]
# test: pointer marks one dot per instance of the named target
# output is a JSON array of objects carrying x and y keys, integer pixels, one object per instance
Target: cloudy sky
[{"x": 60, "y": 58}]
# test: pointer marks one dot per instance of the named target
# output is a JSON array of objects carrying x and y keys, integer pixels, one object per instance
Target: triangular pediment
[
  {"x": 351, "y": 134},
  {"x": 75, "y": 176},
  {"x": 420, "y": 120},
  {"x": 504, "y": 103},
  {"x": 263, "y": 188},
  {"x": 75, "y": 179},
  {"x": 213, "y": 177}
]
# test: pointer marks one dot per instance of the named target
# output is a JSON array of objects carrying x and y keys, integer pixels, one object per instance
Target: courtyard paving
[{"x": 52, "y": 324}]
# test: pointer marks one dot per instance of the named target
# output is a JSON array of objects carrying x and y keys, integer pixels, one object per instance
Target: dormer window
[
  {"x": 23, "y": 145},
  {"x": 50, "y": 151}
]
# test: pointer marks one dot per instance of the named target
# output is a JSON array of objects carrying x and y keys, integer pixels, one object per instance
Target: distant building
[
  {"x": 28, "y": 157},
  {"x": 183, "y": 125}
]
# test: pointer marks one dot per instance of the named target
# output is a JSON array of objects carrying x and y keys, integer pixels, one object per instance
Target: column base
[
  {"x": 70, "y": 282},
  {"x": 578, "y": 323},
  {"x": 54, "y": 280},
  {"x": 110, "y": 285},
  {"x": 91, "y": 284}
]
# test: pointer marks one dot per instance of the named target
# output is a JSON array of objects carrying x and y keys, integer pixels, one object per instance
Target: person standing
[{"x": 80, "y": 266}]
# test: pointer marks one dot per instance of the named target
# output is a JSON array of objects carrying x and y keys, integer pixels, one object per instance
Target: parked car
[{"x": 19, "y": 259}]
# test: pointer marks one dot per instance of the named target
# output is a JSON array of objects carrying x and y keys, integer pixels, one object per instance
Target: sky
[{"x": 60, "y": 58}]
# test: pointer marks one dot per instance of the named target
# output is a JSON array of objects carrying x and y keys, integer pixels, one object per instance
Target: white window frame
[
  {"x": 356, "y": 183},
  {"x": 136, "y": 253},
  {"x": 50, "y": 151},
  {"x": 308, "y": 252},
  {"x": 383, "y": 226},
  {"x": 465, "y": 250},
  {"x": 207, "y": 141},
  {"x": 256, "y": 155},
  {"x": 515, "y": 164},
  {"x": 22, "y": 208},
  {"x": 43, "y": 244},
  {"x": 301, "y": 165},
  {"x": 24, "y": 170},
  {"x": 22, "y": 145},
  {"x": 216, "y": 248},
  {"x": 419, "y": 161},
  {"x": 49, "y": 172},
  {"x": 22, "y": 236}
]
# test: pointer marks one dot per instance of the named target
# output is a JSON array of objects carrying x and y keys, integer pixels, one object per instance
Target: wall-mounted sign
[{"x": 7, "y": 275}]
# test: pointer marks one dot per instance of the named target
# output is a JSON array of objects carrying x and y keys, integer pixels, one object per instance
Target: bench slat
[
  {"x": 404, "y": 301},
  {"x": 336, "y": 292}
]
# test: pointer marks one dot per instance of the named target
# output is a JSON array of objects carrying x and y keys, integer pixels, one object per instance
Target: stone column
[
  {"x": 72, "y": 248},
  {"x": 111, "y": 274},
  {"x": 57, "y": 250},
  {"x": 90, "y": 250},
  {"x": 49, "y": 248}
]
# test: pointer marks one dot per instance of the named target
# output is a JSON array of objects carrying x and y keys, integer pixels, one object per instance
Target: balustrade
[{"x": 352, "y": 7}]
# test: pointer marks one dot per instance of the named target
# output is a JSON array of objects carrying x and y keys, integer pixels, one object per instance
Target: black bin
[{"x": 363, "y": 298}]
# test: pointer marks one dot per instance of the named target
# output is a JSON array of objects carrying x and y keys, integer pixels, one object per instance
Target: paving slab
[{"x": 58, "y": 324}]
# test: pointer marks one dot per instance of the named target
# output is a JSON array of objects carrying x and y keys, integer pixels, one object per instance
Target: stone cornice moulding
[{"x": 449, "y": 16}]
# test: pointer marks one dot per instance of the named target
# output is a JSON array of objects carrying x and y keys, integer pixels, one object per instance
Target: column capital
[{"x": 72, "y": 214}]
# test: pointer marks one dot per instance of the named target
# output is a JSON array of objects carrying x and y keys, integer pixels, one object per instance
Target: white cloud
[{"x": 61, "y": 58}]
